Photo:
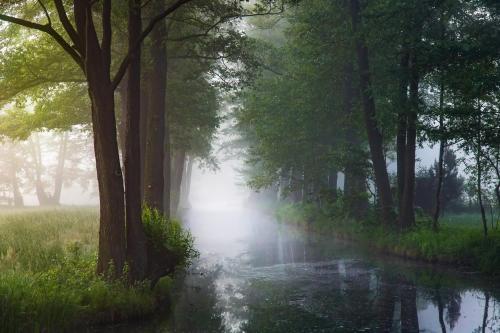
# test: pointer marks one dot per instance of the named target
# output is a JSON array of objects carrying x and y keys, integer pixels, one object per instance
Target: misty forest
[{"x": 250, "y": 166}]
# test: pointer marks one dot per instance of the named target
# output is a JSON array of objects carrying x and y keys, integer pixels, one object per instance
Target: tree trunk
[
  {"x": 186, "y": 183},
  {"x": 157, "y": 157},
  {"x": 354, "y": 174},
  {"x": 442, "y": 144},
  {"x": 16, "y": 193},
  {"x": 375, "y": 138},
  {"x": 61, "y": 159},
  {"x": 294, "y": 185},
  {"x": 122, "y": 90},
  {"x": 136, "y": 239},
  {"x": 333, "y": 178},
  {"x": 145, "y": 89},
  {"x": 479, "y": 186},
  {"x": 402, "y": 126},
  {"x": 110, "y": 180},
  {"x": 407, "y": 214},
  {"x": 176, "y": 181}
]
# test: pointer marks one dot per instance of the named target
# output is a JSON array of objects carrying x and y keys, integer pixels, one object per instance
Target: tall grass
[{"x": 47, "y": 274}]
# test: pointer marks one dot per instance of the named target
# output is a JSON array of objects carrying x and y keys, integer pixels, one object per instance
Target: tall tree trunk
[
  {"x": 59, "y": 178},
  {"x": 479, "y": 171},
  {"x": 43, "y": 198},
  {"x": 479, "y": 188},
  {"x": 186, "y": 182},
  {"x": 110, "y": 180},
  {"x": 402, "y": 126},
  {"x": 112, "y": 236},
  {"x": 179, "y": 161},
  {"x": 407, "y": 214},
  {"x": 13, "y": 167},
  {"x": 294, "y": 185},
  {"x": 157, "y": 157},
  {"x": 145, "y": 89},
  {"x": 354, "y": 174},
  {"x": 440, "y": 175},
  {"x": 333, "y": 177},
  {"x": 136, "y": 239},
  {"x": 123, "y": 92},
  {"x": 375, "y": 139}
]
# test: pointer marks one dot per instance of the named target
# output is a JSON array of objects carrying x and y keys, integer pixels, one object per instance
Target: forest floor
[
  {"x": 459, "y": 241},
  {"x": 47, "y": 274}
]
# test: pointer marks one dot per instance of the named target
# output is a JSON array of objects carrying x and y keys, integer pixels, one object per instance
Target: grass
[
  {"x": 47, "y": 274},
  {"x": 459, "y": 241}
]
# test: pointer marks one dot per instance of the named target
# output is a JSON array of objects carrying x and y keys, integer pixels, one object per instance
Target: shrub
[{"x": 169, "y": 235}]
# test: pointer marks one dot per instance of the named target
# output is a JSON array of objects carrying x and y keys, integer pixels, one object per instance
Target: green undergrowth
[
  {"x": 47, "y": 273},
  {"x": 460, "y": 244}
]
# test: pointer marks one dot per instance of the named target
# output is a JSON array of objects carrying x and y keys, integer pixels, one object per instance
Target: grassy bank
[
  {"x": 47, "y": 274},
  {"x": 461, "y": 244}
]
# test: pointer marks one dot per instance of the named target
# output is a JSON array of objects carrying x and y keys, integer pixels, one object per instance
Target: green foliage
[
  {"x": 457, "y": 243},
  {"x": 169, "y": 235},
  {"x": 47, "y": 273}
]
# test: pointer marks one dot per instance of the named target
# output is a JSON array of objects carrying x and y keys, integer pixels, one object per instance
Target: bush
[{"x": 168, "y": 235}]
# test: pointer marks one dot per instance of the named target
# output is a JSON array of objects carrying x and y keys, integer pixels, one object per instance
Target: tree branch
[
  {"x": 45, "y": 11},
  {"x": 106, "y": 33},
  {"x": 47, "y": 28},
  {"x": 124, "y": 65},
  {"x": 222, "y": 20},
  {"x": 68, "y": 27}
]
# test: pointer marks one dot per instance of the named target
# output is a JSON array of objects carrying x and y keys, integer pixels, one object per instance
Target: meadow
[{"x": 47, "y": 274}]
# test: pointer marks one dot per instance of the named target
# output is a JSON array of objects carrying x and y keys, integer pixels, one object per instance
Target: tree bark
[
  {"x": 333, "y": 177},
  {"x": 402, "y": 126},
  {"x": 442, "y": 144},
  {"x": 136, "y": 239},
  {"x": 375, "y": 139},
  {"x": 407, "y": 214},
  {"x": 157, "y": 156},
  {"x": 354, "y": 174},
  {"x": 177, "y": 172},
  {"x": 16, "y": 192},
  {"x": 112, "y": 237},
  {"x": 186, "y": 182},
  {"x": 61, "y": 159}
]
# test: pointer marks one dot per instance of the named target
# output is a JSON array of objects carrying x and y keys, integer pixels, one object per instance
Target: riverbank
[
  {"x": 47, "y": 274},
  {"x": 463, "y": 247}
]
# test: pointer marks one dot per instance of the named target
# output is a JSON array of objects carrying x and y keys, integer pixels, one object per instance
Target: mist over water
[{"x": 218, "y": 190}]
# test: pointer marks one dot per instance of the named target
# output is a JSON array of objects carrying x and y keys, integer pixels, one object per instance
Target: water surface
[{"x": 254, "y": 275}]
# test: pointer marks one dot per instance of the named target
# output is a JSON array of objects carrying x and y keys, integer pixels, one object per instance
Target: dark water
[{"x": 254, "y": 275}]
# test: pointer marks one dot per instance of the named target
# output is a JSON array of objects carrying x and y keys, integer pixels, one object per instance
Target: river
[{"x": 255, "y": 275}]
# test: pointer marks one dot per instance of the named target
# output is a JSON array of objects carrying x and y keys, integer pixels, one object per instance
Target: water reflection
[{"x": 256, "y": 276}]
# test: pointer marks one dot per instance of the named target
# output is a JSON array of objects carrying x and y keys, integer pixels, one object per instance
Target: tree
[
  {"x": 452, "y": 185},
  {"x": 93, "y": 56}
]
